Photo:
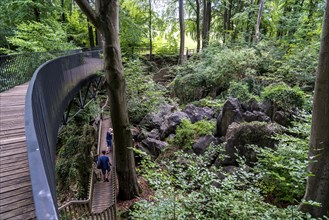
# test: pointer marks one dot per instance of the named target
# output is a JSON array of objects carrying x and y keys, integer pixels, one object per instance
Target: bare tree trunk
[
  {"x": 150, "y": 29},
  {"x": 317, "y": 188},
  {"x": 206, "y": 22},
  {"x": 106, "y": 22},
  {"x": 261, "y": 6},
  {"x": 182, "y": 32},
  {"x": 198, "y": 26}
]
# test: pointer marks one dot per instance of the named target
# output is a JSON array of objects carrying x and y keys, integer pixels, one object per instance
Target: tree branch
[{"x": 89, "y": 12}]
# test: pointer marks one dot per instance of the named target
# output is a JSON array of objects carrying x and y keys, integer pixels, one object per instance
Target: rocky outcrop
[
  {"x": 198, "y": 113},
  {"x": 170, "y": 123},
  {"x": 240, "y": 136},
  {"x": 153, "y": 146},
  {"x": 231, "y": 112}
]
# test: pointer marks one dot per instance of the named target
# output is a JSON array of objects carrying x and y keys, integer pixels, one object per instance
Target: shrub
[
  {"x": 185, "y": 190},
  {"x": 283, "y": 171},
  {"x": 143, "y": 94},
  {"x": 187, "y": 133},
  {"x": 211, "y": 74},
  {"x": 241, "y": 91},
  {"x": 283, "y": 96}
]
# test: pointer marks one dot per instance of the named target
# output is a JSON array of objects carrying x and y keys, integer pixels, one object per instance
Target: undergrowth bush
[
  {"x": 283, "y": 171},
  {"x": 144, "y": 95},
  {"x": 283, "y": 96},
  {"x": 211, "y": 74},
  {"x": 187, "y": 133},
  {"x": 73, "y": 159},
  {"x": 241, "y": 92},
  {"x": 186, "y": 189}
]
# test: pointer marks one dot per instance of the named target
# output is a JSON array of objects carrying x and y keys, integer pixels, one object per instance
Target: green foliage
[
  {"x": 187, "y": 189},
  {"x": 283, "y": 96},
  {"x": 73, "y": 160},
  {"x": 298, "y": 66},
  {"x": 144, "y": 95},
  {"x": 37, "y": 37},
  {"x": 212, "y": 73},
  {"x": 283, "y": 171},
  {"x": 77, "y": 28},
  {"x": 187, "y": 133},
  {"x": 241, "y": 91}
]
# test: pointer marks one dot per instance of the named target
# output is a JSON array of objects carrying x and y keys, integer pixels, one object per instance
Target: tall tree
[
  {"x": 106, "y": 20},
  {"x": 150, "y": 28},
  {"x": 259, "y": 17},
  {"x": 317, "y": 188},
  {"x": 182, "y": 32},
  {"x": 198, "y": 35},
  {"x": 206, "y": 22}
]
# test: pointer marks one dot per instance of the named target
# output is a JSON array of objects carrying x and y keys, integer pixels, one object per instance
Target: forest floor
[{"x": 146, "y": 194}]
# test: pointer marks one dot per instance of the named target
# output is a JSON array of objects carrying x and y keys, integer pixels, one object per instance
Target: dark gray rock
[
  {"x": 155, "y": 119},
  {"x": 203, "y": 143},
  {"x": 155, "y": 134},
  {"x": 239, "y": 136},
  {"x": 153, "y": 146},
  {"x": 170, "y": 123},
  {"x": 231, "y": 112},
  {"x": 198, "y": 113},
  {"x": 282, "y": 118},
  {"x": 255, "y": 116}
]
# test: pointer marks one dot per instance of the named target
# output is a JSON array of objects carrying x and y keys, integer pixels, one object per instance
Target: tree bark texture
[
  {"x": 198, "y": 35},
  {"x": 259, "y": 17},
  {"x": 206, "y": 22},
  {"x": 317, "y": 188},
  {"x": 150, "y": 28},
  {"x": 182, "y": 32},
  {"x": 107, "y": 23}
]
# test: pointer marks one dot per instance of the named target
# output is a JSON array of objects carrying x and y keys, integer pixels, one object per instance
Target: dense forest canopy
[{"x": 41, "y": 25}]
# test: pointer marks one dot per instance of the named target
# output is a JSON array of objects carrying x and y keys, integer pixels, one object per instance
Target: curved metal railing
[{"x": 52, "y": 87}]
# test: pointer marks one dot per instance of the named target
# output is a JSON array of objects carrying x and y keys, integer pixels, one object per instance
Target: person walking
[
  {"x": 104, "y": 164},
  {"x": 109, "y": 137}
]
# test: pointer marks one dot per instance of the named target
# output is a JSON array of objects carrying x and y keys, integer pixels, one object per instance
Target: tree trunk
[
  {"x": 91, "y": 35},
  {"x": 182, "y": 32},
  {"x": 248, "y": 32},
  {"x": 106, "y": 22},
  {"x": 206, "y": 22},
  {"x": 317, "y": 188},
  {"x": 197, "y": 26},
  {"x": 259, "y": 17},
  {"x": 150, "y": 29}
]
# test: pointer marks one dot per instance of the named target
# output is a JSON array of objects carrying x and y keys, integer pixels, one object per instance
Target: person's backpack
[{"x": 99, "y": 164}]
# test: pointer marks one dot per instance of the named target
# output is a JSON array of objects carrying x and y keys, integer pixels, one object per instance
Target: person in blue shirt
[
  {"x": 109, "y": 137},
  {"x": 105, "y": 165}
]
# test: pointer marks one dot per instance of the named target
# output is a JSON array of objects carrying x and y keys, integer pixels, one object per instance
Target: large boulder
[
  {"x": 198, "y": 113},
  {"x": 153, "y": 146},
  {"x": 239, "y": 136},
  {"x": 203, "y": 143},
  {"x": 170, "y": 123},
  {"x": 155, "y": 119},
  {"x": 255, "y": 116},
  {"x": 231, "y": 112}
]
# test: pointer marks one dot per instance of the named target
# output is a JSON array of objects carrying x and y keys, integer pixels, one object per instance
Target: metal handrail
[
  {"x": 53, "y": 85},
  {"x": 16, "y": 69}
]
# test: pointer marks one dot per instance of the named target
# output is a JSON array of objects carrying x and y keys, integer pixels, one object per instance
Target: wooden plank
[
  {"x": 12, "y": 140},
  {"x": 7, "y": 176},
  {"x": 15, "y": 152},
  {"x": 20, "y": 158},
  {"x": 7, "y": 169},
  {"x": 16, "y": 205},
  {"x": 18, "y": 213},
  {"x": 13, "y": 185},
  {"x": 16, "y": 198},
  {"x": 25, "y": 189}
]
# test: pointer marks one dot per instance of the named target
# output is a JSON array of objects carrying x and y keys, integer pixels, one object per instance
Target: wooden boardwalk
[
  {"x": 16, "y": 200},
  {"x": 102, "y": 195}
]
